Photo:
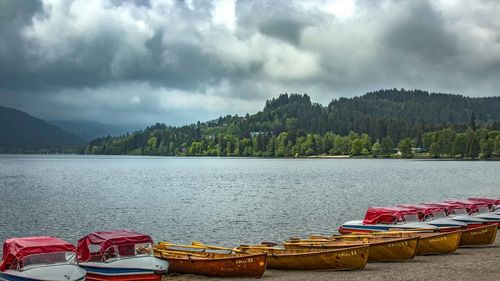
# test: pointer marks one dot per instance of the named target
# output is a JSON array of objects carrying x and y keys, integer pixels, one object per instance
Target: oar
[
  {"x": 199, "y": 244},
  {"x": 182, "y": 253}
]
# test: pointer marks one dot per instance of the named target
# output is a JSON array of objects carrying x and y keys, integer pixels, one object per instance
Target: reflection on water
[{"x": 218, "y": 200}]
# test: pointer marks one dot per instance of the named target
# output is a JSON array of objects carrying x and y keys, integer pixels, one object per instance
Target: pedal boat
[
  {"x": 381, "y": 249},
  {"x": 477, "y": 209},
  {"x": 211, "y": 261},
  {"x": 119, "y": 255},
  {"x": 351, "y": 258},
  {"x": 42, "y": 258},
  {"x": 435, "y": 216},
  {"x": 493, "y": 204},
  {"x": 458, "y": 213},
  {"x": 387, "y": 219}
]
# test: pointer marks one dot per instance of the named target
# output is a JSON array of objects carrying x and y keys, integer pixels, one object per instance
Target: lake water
[{"x": 218, "y": 200}]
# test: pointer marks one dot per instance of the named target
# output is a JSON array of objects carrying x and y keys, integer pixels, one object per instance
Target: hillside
[
  {"x": 89, "y": 130},
  {"x": 21, "y": 132},
  {"x": 293, "y": 125}
]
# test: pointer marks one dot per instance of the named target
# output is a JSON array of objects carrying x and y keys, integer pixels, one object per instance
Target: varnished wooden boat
[
  {"x": 430, "y": 243},
  {"x": 313, "y": 259},
  {"x": 381, "y": 250},
  {"x": 199, "y": 260},
  {"x": 479, "y": 236}
]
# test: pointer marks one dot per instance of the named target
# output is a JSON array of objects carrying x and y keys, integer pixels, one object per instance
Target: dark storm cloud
[{"x": 145, "y": 61}]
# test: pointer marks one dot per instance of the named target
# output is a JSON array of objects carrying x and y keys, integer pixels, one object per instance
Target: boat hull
[
  {"x": 128, "y": 277},
  {"x": 358, "y": 227},
  {"x": 432, "y": 243},
  {"x": 393, "y": 250},
  {"x": 381, "y": 250},
  {"x": 146, "y": 268},
  {"x": 479, "y": 236},
  {"x": 315, "y": 259},
  {"x": 64, "y": 272},
  {"x": 439, "y": 243},
  {"x": 238, "y": 266}
]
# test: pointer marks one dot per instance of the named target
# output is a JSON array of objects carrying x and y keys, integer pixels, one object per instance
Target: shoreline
[
  {"x": 342, "y": 157},
  {"x": 475, "y": 263}
]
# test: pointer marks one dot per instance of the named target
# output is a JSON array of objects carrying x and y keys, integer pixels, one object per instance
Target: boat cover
[
  {"x": 425, "y": 209},
  {"x": 15, "y": 249},
  {"x": 489, "y": 201},
  {"x": 106, "y": 239},
  {"x": 386, "y": 215}
]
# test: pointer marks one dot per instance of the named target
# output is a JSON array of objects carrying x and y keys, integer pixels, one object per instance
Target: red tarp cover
[
  {"x": 471, "y": 205},
  {"x": 106, "y": 239},
  {"x": 386, "y": 215},
  {"x": 425, "y": 209},
  {"x": 15, "y": 249},
  {"x": 489, "y": 201},
  {"x": 448, "y": 207}
]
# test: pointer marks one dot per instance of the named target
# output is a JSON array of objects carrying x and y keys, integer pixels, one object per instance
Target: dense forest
[{"x": 378, "y": 124}]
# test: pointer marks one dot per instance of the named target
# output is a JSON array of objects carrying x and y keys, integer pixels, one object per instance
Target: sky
[{"x": 176, "y": 62}]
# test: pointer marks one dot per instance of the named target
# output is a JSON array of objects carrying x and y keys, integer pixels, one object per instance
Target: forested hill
[
  {"x": 292, "y": 124},
  {"x": 21, "y": 132},
  {"x": 401, "y": 113}
]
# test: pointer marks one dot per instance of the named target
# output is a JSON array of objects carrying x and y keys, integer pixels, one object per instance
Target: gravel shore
[{"x": 480, "y": 263}]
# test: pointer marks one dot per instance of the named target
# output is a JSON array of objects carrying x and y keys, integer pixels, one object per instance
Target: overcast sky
[{"x": 142, "y": 62}]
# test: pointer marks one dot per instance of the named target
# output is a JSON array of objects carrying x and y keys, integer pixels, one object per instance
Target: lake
[{"x": 218, "y": 200}]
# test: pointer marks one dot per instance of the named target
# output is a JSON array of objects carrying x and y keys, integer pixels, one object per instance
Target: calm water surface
[{"x": 218, "y": 200}]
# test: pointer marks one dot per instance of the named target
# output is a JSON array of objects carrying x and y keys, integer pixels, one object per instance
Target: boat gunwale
[{"x": 318, "y": 251}]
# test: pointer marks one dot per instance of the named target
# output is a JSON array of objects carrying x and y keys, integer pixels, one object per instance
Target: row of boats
[{"x": 386, "y": 234}]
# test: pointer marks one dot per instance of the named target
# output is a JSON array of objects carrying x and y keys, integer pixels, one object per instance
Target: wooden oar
[{"x": 199, "y": 244}]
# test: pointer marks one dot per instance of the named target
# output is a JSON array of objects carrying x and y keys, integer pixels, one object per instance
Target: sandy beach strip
[{"x": 480, "y": 263}]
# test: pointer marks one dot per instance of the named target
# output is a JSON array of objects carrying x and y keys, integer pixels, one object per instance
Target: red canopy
[
  {"x": 489, "y": 201},
  {"x": 448, "y": 207},
  {"x": 425, "y": 209},
  {"x": 15, "y": 249},
  {"x": 376, "y": 215},
  {"x": 106, "y": 239}
]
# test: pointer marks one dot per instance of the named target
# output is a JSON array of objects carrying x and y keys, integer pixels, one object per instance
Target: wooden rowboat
[
  {"x": 201, "y": 260},
  {"x": 312, "y": 259},
  {"x": 430, "y": 243},
  {"x": 381, "y": 250},
  {"x": 479, "y": 236},
  {"x": 446, "y": 242}
]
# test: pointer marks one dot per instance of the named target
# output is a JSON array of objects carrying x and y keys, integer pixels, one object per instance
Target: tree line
[
  {"x": 482, "y": 143},
  {"x": 376, "y": 124}
]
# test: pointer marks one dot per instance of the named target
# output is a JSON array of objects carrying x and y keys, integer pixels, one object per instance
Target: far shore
[
  {"x": 466, "y": 264},
  {"x": 395, "y": 157}
]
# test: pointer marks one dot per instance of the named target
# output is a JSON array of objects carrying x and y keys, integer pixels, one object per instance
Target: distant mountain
[
  {"x": 89, "y": 130},
  {"x": 21, "y": 132},
  {"x": 286, "y": 120}
]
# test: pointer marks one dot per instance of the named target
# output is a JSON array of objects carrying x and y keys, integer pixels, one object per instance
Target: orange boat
[
  {"x": 200, "y": 259},
  {"x": 381, "y": 249},
  {"x": 312, "y": 259}
]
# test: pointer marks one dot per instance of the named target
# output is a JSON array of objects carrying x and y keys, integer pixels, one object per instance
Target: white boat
[
  {"x": 475, "y": 209},
  {"x": 42, "y": 258},
  {"x": 387, "y": 219},
  {"x": 458, "y": 213},
  {"x": 119, "y": 255},
  {"x": 435, "y": 216}
]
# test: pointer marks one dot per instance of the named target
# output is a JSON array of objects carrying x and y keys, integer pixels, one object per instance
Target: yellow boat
[
  {"x": 430, "y": 243},
  {"x": 479, "y": 236},
  {"x": 381, "y": 249},
  {"x": 313, "y": 259}
]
